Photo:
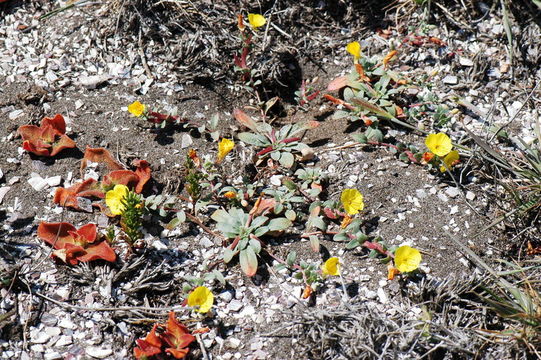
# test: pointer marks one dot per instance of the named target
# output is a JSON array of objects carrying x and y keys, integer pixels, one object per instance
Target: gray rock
[{"x": 98, "y": 353}]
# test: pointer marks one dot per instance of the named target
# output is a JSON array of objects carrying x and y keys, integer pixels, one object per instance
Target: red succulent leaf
[
  {"x": 56, "y": 234},
  {"x": 98, "y": 251},
  {"x": 68, "y": 196},
  {"x": 143, "y": 173},
  {"x": 123, "y": 177},
  {"x": 37, "y": 147},
  {"x": 48, "y": 139},
  {"x": 73, "y": 245},
  {"x": 102, "y": 156},
  {"x": 149, "y": 346},
  {"x": 63, "y": 143},
  {"x": 177, "y": 336},
  {"x": 58, "y": 123}
]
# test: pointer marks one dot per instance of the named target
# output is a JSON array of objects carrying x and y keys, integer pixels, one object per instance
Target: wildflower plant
[
  {"x": 246, "y": 230},
  {"x": 279, "y": 145}
]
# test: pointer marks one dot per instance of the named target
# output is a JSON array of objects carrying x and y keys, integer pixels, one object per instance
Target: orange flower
[{"x": 427, "y": 157}]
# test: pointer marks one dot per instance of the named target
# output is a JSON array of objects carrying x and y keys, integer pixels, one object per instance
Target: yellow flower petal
[
  {"x": 352, "y": 200},
  {"x": 354, "y": 48},
  {"x": 230, "y": 195},
  {"x": 136, "y": 109},
  {"x": 331, "y": 267},
  {"x": 440, "y": 144},
  {"x": 224, "y": 147},
  {"x": 256, "y": 20},
  {"x": 450, "y": 160},
  {"x": 113, "y": 199},
  {"x": 407, "y": 259},
  {"x": 201, "y": 297}
]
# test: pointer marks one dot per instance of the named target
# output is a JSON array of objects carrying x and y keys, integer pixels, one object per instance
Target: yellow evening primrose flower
[
  {"x": 113, "y": 198},
  {"x": 354, "y": 48},
  {"x": 224, "y": 147},
  {"x": 202, "y": 298},
  {"x": 352, "y": 200},
  {"x": 136, "y": 108},
  {"x": 331, "y": 267},
  {"x": 440, "y": 144},
  {"x": 256, "y": 20},
  {"x": 407, "y": 258},
  {"x": 450, "y": 160}
]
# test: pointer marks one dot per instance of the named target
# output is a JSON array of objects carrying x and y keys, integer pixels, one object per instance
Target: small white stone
[
  {"x": 158, "y": 245},
  {"x": 235, "y": 305},
  {"x": 186, "y": 141},
  {"x": 66, "y": 324},
  {"x": 234, "y": 343},
  {"x": 465, "y": 62},
  {"x": 450, "y": 80},
  {"x": 52, "y": 356},
  {"x": 78, "y": 104},
  {"x": 54, "y": 180},
  {"x": 64, "y": 341},
  {"x": 276, "y": 180},
  {"x": 97, "y": 352},
  {"x": 3, "y": 191},
  {"x": 38, "y": 183},
  {"x": 15, "y": 114},
  {"x": 382, "y": 296},
  {"x": 454, "y": 210},
  {"x": 421, "y": 193},
  {"x": 452, "y": 192},
  {"x": 206, "y": 242},
  {"x": 470, "y": 195},
  {"x": 443, "y": 197}
]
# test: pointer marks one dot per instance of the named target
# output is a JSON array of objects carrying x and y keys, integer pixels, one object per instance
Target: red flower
[
  {"x": 48, "y": 139},
  {"x": 149, "y": 346},
  {"x": 178, "y": 337},
  {"x": 73, "y": 245}
]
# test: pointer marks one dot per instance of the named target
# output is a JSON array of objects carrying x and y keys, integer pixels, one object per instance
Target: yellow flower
[
  {"x": 230, "y": 195},
  {"x": 450, "y": 160},
  {"x": 201, "y": 297},
  {"x": 136, "y": 109},
  {"x": 440, "y": 144},
  {"x": 354, "y": 48},
  {"x": 331, "y": 267},
  {"x": 256, "y": 20},
  {"x": 224, "y": 147},
  {"x": 113, "y": 198},
  {"x": 407, "y": 258},
  {"x": 352, "y": 200}
]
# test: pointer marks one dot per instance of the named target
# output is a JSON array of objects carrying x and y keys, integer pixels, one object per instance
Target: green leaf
[
  {"x": 219, "y": 276},
  {"x": 290, "y": 260},
  {"x": 280, "y": 267},
  {"x": 279, "y": 224},
  {"x": 340, "y": 114},
  {"x": 220, "y": 216},
  {"x": 255, "y": 245},
  {"x": 341, "y": 236},
  {"x": 228, "y": 255},
  {"x": 291, "y": 215},
  {"x": 374, "y": 134},
  {"x": 287, "y": 159},
  {"x": 260, "y": 231},
  {"x": 361, "y": 138},
  {"x": 259, "y": 221},
  {"x": 248, "y": 261},
  {"x": 253, "y": 139},
  {"x": 353, "y": 244},
  {"x": 314, "y": 243}
]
